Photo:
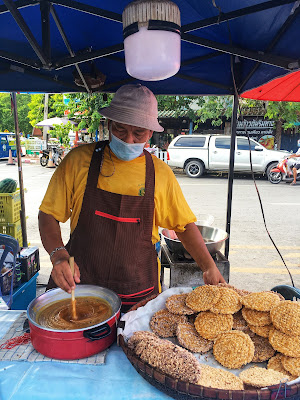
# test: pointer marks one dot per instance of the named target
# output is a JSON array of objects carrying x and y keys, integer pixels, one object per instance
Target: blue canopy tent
[
  {"x": 43, "y": 41},
  {"x": 228, "y": 46}
]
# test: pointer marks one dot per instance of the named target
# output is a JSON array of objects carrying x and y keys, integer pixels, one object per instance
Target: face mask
[{"x": 125, "y": 151}]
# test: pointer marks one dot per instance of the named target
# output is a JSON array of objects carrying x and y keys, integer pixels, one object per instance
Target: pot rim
[{"x": 114, "y": 316}]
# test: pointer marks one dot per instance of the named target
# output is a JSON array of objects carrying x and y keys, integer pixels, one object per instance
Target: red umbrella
[{"x": 285, "y": 88}]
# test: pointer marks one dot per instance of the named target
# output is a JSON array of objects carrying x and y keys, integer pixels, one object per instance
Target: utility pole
[
  {"x": 45, "y": 128},
  {"x": 20, "y": 171}
]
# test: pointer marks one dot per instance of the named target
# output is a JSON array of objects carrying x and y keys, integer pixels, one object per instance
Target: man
[
  {"x": 116, "y": 195},
  {"x": 295, "y": 165}
]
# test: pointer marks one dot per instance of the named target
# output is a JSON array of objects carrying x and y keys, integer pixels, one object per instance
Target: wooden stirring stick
[{"x": 74, "y": 314}]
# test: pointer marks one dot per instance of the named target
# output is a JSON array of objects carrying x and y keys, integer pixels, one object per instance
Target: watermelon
[{"x": 8, "y": 185}]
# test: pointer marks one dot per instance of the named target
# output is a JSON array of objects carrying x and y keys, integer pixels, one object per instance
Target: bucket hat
[{"x": 134, "y": 105}]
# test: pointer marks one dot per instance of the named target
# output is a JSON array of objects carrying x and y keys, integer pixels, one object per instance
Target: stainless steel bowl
[{"x": 213, "y": 237}]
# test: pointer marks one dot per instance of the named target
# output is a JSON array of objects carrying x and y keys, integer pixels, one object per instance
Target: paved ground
[{"x": 254, "y": 261}]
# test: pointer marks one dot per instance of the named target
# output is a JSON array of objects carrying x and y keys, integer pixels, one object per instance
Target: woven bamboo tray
[{"x": 187, "y": 391}]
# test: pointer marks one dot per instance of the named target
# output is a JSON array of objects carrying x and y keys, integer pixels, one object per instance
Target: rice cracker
[
  {"x": 189, "y": 338},
  {"x": 176, "y": 304},
  {"x": 229, "y": 302},
  {"x": 219, "y": 379},
  {"x": 291, "y": 364},
  {"x": 233, "y": 349},
  {"x": 164, "y": 323},
  {"x": 209, "y": 325},
  {"x": 286, "y": 317},
  {"x": 203, "y": 297},
  {"x": 263, "y": 351},
  {"x": 285, "y": 344},
  {"x": 261, "y": 330},
  {"x": 256, "y": 318},
  {"x": 276, "y": 364},
  {"x": 260, "y": 301},
  {"x": 262, "y": 377}
]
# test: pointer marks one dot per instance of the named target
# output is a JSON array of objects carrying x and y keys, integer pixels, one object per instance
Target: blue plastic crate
[{"x": 24, "y": 294}]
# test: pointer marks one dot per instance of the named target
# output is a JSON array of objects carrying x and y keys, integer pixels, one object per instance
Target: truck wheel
[
  {"x": 271, "y": 166},
  {"x": 194, "y": 169}
]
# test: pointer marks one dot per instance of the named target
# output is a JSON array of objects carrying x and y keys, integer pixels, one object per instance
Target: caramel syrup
[{"x": 90, "y": 311}]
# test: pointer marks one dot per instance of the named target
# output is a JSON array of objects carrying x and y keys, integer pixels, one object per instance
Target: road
[{"x": 254, "y": 262}]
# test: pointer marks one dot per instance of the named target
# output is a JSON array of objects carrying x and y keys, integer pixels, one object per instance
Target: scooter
[
  {"x": 56, "y": 156},
  {"x": 279, "y": 173}
]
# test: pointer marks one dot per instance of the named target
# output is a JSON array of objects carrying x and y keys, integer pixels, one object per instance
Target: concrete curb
[{"x": 30, "y": 160}]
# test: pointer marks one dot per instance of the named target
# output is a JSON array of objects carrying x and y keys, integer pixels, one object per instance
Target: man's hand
[
  {"x": 62, "y": 275},
  {"x": 213, "y": 276},
  {"x": 51, "y": 239}
]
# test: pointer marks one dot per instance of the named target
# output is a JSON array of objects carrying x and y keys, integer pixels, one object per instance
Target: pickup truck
[{"x": 197, "y": 154}]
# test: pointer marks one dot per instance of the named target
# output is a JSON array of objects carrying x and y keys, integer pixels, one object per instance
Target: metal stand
[{"x": 185, "y": 272}]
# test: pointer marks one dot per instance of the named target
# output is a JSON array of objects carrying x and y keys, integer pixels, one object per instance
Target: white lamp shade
[{"x": 152, "y": 55}]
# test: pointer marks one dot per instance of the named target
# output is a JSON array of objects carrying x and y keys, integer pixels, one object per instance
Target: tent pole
[
  {"x": 20, "y": 171},
  {"x": 231, "y": 169}
]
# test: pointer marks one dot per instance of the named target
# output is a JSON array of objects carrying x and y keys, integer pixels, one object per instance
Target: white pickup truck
[{"x": 199, "y": 153}]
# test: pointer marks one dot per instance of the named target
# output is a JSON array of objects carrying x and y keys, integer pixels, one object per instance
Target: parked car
[{"x": 197, "y": 154}]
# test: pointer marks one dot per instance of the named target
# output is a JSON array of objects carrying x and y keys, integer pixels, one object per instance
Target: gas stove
[{"x": 184, "y": 271}]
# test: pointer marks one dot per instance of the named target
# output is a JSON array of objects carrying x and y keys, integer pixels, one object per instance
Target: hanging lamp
[{"x": 151, "y": 30}]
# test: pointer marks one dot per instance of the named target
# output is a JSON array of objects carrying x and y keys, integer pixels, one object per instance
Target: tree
[
  {"x": 7, "y": 117},
  {"x": 61, "y": 132},
  {"x": 285, "y": 114},
  {"x": 214, "y": 108},
  {"x": 36, "y": 109},
  {"x": 180, "y": 105}
]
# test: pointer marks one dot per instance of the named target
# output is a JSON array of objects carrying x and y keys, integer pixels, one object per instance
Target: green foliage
[
  {"x": 36, "y": 109},
  {"x": 7, "y": 116},
  {"x": 61, "y": 132},
  {"x": 181, "y": 105},
  {"x": 84, "y": 107},
  {"x": 214, "y": 108},
  {"x": 284, "y": 111}
]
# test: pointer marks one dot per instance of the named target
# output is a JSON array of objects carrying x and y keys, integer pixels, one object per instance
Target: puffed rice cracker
[
  {"x": 285, "y": 344},
  {"x": 164, "y": 324},
  {"x": 233, "y": 349},
  {"x": 209, "y": 325},
  {"x": 176, "y": 304},
  {"x": 291, "y": 364},
  {"x": 203, "y": 297},
  {"x": 229, "y": 302},
  {"x": 262, "y": 377},
  {"x": 219, "y": 379},
  {"x": 260, "y": 301},
  {"x": 256, "y": 318},
  {"x": 286, "y": 317},
  {"x": 189, "y": 338}
]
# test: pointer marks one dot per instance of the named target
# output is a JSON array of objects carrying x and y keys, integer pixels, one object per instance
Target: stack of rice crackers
[{"x": 238, "y": 326}]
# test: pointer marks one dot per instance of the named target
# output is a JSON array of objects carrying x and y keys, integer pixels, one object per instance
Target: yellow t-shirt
[{"x": 64, "y": 195}]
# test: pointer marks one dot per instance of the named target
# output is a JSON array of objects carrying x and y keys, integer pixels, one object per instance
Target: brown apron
[{"x": 112, "y": 242}]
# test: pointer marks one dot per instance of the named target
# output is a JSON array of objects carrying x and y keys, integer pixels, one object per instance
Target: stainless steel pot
[
  {"x": 214, "y": 239},
  {"x": 77, "y": 343}
]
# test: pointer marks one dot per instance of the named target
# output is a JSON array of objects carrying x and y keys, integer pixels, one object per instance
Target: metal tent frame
[{"x": 226, "y": 51}]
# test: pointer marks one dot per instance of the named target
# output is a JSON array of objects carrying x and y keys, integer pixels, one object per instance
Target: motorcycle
[
  {"x": 56, "y": 156},
  {"x": 280, "y": 173}
]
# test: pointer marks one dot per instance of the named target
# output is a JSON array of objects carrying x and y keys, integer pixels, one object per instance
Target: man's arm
[
  {"x": 51, "y": 238},
  {"x": 294, "y": 156},
  {"x": 193, "y": 242}
]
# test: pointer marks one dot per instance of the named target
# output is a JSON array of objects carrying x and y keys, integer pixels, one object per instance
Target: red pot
[{"x": 79, "y": 343}]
